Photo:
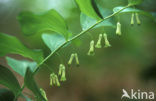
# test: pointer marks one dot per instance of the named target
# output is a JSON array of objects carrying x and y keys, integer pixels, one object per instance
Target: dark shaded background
[{"x": 130, "y": 63}]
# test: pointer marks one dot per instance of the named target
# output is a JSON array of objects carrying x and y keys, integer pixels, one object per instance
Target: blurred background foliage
[{"x": 130, "y": 63}]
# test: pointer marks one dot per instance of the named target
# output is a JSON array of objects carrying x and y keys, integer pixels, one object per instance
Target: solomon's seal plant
[{"x": 60, "y": 37}]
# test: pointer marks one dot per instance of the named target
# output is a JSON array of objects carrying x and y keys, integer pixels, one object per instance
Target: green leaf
[
  {"x": 53, "y": 41},
  {"x": 6, "y": 95},
  {"x": 11, "y": 45},
  {"x": 31, "y": 84},
  {"x": 38, "y": 23},
  {"x": 87, "y": 21},
  {"x": 134, "y": 10},
  {"x": 20, "y": 66},
  {"x": 87, "y": 8},
  {"x": 134, "y": 2},
  {"x": 8, "y": 79}
]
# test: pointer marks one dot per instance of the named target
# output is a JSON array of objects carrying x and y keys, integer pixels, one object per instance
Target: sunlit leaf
[
  {"x": 11, "y": 45},
  {"x": 87, "y": 8},
  {"x": 53, "y": 41},
  {"x": 133, "y": 10},
  {"x": 20, "y": 66},
  {"x": 38, "y": 23},
  {"x": 87, "y": 21},
  {"x": 8, "y": 79},
  {"x": 31, "y": 84}
]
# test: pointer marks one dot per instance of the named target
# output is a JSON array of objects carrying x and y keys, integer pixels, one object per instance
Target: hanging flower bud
[
  {"x": 132, "y": 19},
  {"x": 91, "y": 50},
  {"x": 71, "y": 59},
  {"x": 137, "y": 19},
  {"x": 43, "y": 94},
  {"x": 60, "y": 69},
  {"x": 77, "y": 59},
  {"x": 54, "y": 80},
  {"x": 63, "y": 76},
  {"x": 118, "y": 30},
  {"x": 62, "y": 72},
  {"x": 107, "y": 44},
  {"x": 98, "y": 44},
  {"x": 57, "y": 81}
]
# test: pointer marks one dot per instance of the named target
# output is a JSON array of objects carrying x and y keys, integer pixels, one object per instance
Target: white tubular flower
[
  {"x": 43, "y": 94},
  {"x": 60, "y": 69},
  {"x": 118, "y": 30},
  {"x": 98, "y": 44},
  {"x": 91, "y": 49},
  {"x": 63, "y": 76},
  {"x": 132, "y": 19},
  {"x": 62, "y": 72},
  {"x": 52, "y": 81},
  {"x": 137, "y": 18},
  {"x": 77, "y": 59},
  {"x": 57, "y": 81},
  {"x": 71, "y": 59},
  {"x": 107, "y": 44}
]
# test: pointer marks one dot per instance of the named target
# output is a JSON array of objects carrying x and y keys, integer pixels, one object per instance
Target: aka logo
[{"x": 137, "y": 95}]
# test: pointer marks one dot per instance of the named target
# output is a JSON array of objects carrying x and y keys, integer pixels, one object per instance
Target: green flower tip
[
  {"x": 98, "y": 44},
  {"x": 107, "y": 44},
  {"x": 137, "y": 18},
  {"x": 118, "y": 29},
  {"x": 91, "y": 49}
]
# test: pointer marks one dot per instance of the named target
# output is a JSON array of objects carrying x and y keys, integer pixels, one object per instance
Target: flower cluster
[
  {"x": 73, "y": 55},
  {"x": 137, "y": 18},
  {"x": 98, "y": 44},
  {"x": 54, "y": 80}
]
